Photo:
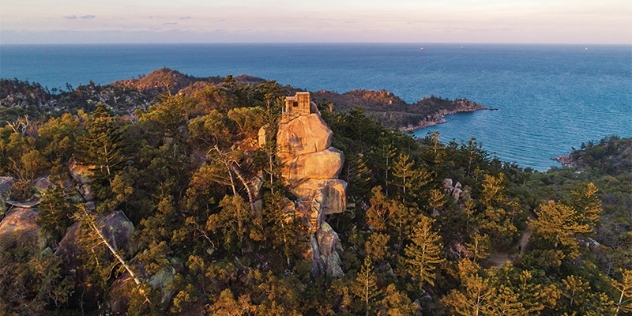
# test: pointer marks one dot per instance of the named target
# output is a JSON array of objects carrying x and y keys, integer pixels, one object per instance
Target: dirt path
[
  {"x": 524, "y": 240},
  {"x": 501, "y": 258}
]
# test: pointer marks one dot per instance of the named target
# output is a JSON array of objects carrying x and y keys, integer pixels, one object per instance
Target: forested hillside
[{"x": 136, "y": 198}]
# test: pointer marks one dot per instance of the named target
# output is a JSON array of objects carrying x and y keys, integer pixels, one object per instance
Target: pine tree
[
  {"x": 365, "y": 285},
  {"x": 56, "y": 211},
  {"x": 380, "y": 210},
  {"x": 576, "y": 291},
  {"x": 479, "y": 247},
  {"x": 101, "y": 149},
  {"x": 233, "y": 222},
  {"x": 101, "y": 144},
  {"x": 471, "y": 299},
  {"x": 408, "y": 177},
  {"x": 587, "y": 204},
  {"x": 395, "y": 303},
  {"x": 624, "y": 291},
  {"x": 424, "y": 254},
  {"x": 558, "y": 225}
]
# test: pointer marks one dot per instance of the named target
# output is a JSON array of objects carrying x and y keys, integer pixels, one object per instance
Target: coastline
[{"x": 439, "y": 118}]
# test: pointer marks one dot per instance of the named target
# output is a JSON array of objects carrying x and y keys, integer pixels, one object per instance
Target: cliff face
[{"x": 310, "y": 169}]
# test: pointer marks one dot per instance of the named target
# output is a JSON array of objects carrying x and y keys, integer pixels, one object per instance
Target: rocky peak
[{"x": 310, "y": 169}]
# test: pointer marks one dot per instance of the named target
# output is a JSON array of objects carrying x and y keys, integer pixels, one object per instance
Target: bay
[{"x": 550, "y": 98}]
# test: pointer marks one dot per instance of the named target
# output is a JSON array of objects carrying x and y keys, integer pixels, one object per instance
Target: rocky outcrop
[
  {"x": 321, "y": 165},
  {"x": 310, "y": 169},
  {"x": 123, "y": 286},
  {"x": 303, "y": 135},
  {"x": 330, "y": 193},
  {"x": 453, "y": 191},
  {"x": 20, "y": 229}
]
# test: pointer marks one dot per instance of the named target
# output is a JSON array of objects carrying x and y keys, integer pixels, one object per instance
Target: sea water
[{"x": 550, "y": 98}]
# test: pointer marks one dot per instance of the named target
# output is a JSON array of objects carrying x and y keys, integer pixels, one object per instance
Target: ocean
[{"x": 550, "y": 98}]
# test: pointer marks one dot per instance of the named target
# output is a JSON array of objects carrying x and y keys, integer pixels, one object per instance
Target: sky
[{"x": 276, "y": 21}]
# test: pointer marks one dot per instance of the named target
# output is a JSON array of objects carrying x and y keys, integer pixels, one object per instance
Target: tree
[
  {"x": 230, "y": 162},
  {"x": 226, "y": 305},
  {"x": 101, "y": 145},
  {"x": 576, "y": 290},
  {"x": 558, "y": 225},
  {"x": 407, "y": 176},
  {"x": 90, "y": 221},
  {"x": 57, "y": 210},
  {"x": 436, "y": 200},
  {"x": 365, "y": 285},
  {"x": 248, "y": 120},
  {"x": 380, "y": 209},
  {"x": 479, "y": 247},
  {"x": 101, "y": 149},
  {"x": 403, "y": 169},
  {"x": 209, "y": 130},
  {"x": 377, "y": 246},
  {"x": 57, "y": 137},
  {"x": 283, "y": 229},
  {"x": 587, "y": 204},
  {"x": 233, "y": 221},
  {"x": 395, "y": 303},
  {"x": 471, "y": 299},
  {"x": 388, "y": 153},
  {"x": 624, "y": 291},
  {"x": 357, "y": 175},
  {"x": 424, "y": 254}
]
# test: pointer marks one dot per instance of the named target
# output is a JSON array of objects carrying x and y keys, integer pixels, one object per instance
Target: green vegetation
[{"x": 178, "y": 160}]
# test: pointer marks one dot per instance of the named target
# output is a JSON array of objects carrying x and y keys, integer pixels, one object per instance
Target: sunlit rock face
[
  {"x": 19, "y": 228},
  {"x": 310, "y": 170}
]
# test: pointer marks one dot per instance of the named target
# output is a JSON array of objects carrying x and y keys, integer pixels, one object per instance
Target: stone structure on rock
[
  {"x": 310, "y": 169},
  {"x": 297, "y": 105}
]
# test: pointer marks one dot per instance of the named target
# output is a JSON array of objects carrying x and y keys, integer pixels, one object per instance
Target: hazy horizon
[{"x": 328, "y": 21}]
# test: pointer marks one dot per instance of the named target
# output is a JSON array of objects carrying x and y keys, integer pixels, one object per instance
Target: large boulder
[
  {"x": 303, "y": 135},
  {"x": 5, "y": 185},
  {"x": 43, "y": 184},
  {"x": 123, "y": 286},
  {"x": 333, "y": 266},
  {"x": 328, "y": 260},
  {"x": 321, "y": 165},
  {"x": 331, "y": 192},
  {"x": 115, "y": 227},
  {"x": 311, "y": 211},
  {"x": 20, "y": 229},
  {"x": 327, "y": 239}
]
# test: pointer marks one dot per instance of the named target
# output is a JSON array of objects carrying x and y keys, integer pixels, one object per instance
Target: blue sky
[{"x": 413, "y": 21}]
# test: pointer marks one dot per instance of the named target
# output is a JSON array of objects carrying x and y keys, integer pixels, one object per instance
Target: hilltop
[{"x": 125, "y": 96}]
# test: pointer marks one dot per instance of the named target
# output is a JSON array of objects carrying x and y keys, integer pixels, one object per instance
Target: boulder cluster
[{"x": 310, "y": 169}]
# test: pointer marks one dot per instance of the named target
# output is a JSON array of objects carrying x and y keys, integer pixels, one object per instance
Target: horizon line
[{"x": 318, "y": 43}]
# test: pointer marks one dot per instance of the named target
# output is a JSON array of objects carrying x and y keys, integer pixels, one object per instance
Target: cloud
[
  {"x": 70, "y": 17},
  {"x": 88, "y": 17},
  {"x": 185, "y": 18},
  {"x": 170, "y": 23}
]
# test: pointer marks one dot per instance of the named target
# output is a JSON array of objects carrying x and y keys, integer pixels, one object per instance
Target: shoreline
[{"x": 439, "y": 118}]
